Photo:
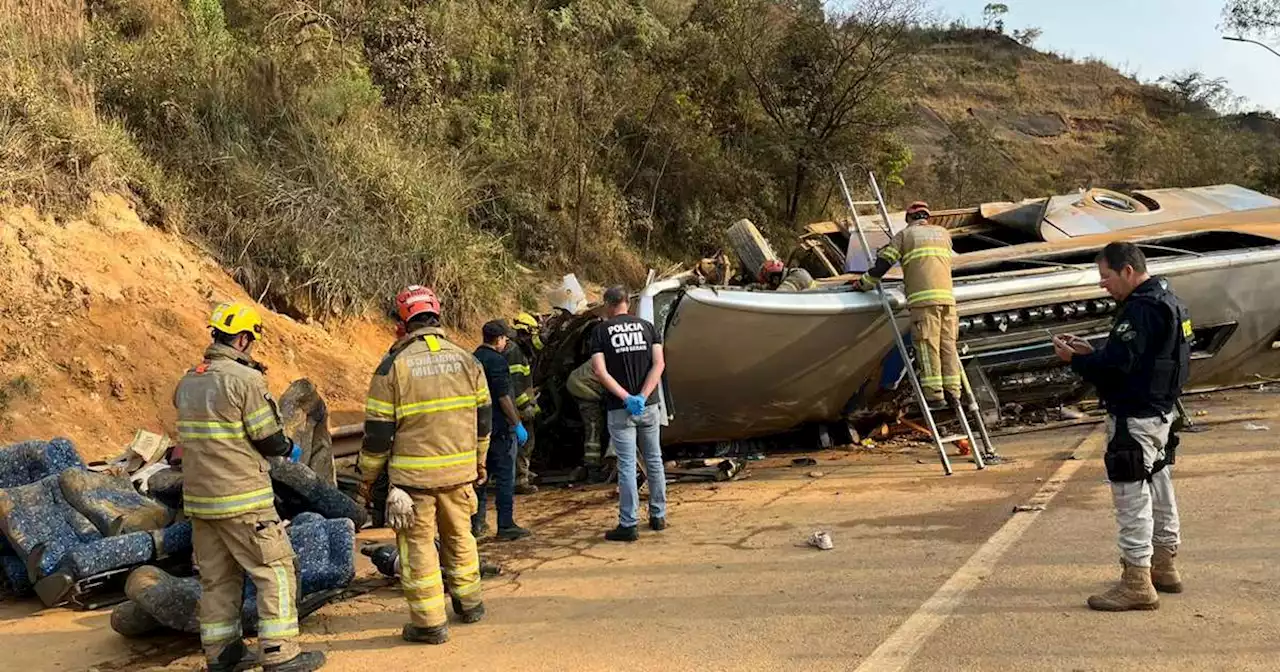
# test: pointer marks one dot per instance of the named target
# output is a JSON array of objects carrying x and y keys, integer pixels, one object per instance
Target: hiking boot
[
  {"x": 1164, "y": 576},
  {"x": 658, "y": 524},
  {"x": 230, "y": 658},
  {"x": 1133, "y": 592},
  {"x": 465, "y": 615},
  {"x": 512, "y": 533},
  {"x": 526, "y": 489},
  {"x": 306, "y": 661},
  {"x": 434, "y": 635},
  {"x": 621, "y": 533}
]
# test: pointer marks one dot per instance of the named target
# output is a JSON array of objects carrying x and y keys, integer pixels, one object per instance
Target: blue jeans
[
  {"x": 501, "y": 465},
  {"x": 629, "y": 433}
]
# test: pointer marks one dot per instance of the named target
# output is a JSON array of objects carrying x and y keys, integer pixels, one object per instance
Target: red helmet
[
  {"x": 769, "y": 268},
  {"x": 416, "y": 300},
  {"x": 920, "y": 209}
]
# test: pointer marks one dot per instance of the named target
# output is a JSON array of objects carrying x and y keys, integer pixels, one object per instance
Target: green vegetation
[{"x": 329, "y": 152}]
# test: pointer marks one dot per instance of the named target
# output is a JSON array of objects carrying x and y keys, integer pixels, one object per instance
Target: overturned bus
[{"x": 744, "y": 363}]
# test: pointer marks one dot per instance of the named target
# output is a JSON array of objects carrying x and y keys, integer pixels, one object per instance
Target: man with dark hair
[
  {"x": 502, "y": 445},
  {"x": 626, "y": 355},
  {"x": 924, "y": 250},
  {"x": 1139, "y": 375},
  {"x": 229, "y": 426},
  {"x": 427, "y": 423}
]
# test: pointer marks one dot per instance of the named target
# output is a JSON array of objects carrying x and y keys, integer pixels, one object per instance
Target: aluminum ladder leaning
[{"x": 987, "y": 450}]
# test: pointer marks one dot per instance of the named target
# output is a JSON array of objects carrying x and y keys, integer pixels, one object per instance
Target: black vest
[{"x": 1160, "y": 373}]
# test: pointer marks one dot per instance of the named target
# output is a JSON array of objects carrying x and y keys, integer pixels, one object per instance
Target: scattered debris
[
  {"x": 816, "y": 474},
  {"x": 710, "y": 469},
  {"x": 804, "y": 462},
  {"x": 1071, "y": 413},
  {"x": 1254, "y": 427},
  {"x": 821, "y": 540},
  {"x": 1023, "y": 508}
]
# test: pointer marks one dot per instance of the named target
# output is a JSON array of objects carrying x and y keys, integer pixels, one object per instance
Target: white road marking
[{"x": 896, "y": 652}]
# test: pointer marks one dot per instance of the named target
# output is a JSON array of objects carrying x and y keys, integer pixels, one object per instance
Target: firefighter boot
[
  {"x": 1133, "y": 592},
  {"x": 434, "y": 635},
  {"x": 234, "y": 656},
  {"x": 1164, "y": 576},
  {"x": 465, "y": 615},
  {"x": 306, "y": 661}
]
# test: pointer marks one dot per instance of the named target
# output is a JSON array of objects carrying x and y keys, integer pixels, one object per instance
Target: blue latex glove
[
  {"x": 522, "y": 434},
  {"x": 635, "y": 404},
  {"x": 295, "y": 455}
]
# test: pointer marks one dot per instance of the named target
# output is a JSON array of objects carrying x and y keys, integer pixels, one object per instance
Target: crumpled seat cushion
[
  {"x": 30, "y": 461},
  {"x": 111, "y": 503},
  {"x": 41, "y": 526},
  {"x": 125, "y": 550},
  {"x": 50, "y": 535},
  {"x": 325, "y": 552},
  {"x": 299, "y": 490},
  {"x": 326, "y": 561}
]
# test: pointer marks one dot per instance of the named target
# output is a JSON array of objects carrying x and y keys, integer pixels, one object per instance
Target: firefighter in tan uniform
[
  {"x": 519, "y": 356},
  {"x": 924, "y": 250},
  {"x": 427, "y": 421},
  {"x": 229, "y": 425}
]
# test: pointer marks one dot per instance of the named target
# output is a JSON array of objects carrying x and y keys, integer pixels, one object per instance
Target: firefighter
[
  {"x": 924, "y": 250},
  {"x": 427, "y": 422},
  {"x": 1139, "y": 376},
  {"x": 229, "y": 426},
  {"x": 777, "y": 277},
  {"x": 588, "y": 392},
  {"x": 520, "y": 352}
]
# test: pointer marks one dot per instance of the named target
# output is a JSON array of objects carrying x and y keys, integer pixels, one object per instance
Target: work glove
[
  {"x": 400, "y": 515},
  {"x": 295, "y": 455},
  {"x": 522, "y": 434},
  {"x": 635, "y": 404}
]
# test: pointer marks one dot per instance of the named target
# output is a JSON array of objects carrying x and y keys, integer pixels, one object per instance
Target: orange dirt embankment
[{"x": 100, "y": 316}]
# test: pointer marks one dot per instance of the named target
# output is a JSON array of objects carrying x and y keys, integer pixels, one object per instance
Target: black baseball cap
[
  {"x": 493, "y": 329},
  {"x": 615, "y": 295}
]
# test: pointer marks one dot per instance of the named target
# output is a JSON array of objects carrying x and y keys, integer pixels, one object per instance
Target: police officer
[
  {"x": 1139, "y": 375},
  {"x": 506, "y": 438},
  {"x": 924, "y": 250},
  {"x": 229, "y": 425},
  {"x": 427, "y": 422}
]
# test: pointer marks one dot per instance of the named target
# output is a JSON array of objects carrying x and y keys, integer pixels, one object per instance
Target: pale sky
[{"x": 1149, "y": 37}]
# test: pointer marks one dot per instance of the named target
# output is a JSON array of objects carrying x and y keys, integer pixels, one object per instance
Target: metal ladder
[{"x": 980, "y": 453}]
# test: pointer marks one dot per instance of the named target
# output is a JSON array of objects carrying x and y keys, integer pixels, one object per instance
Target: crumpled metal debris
[{"x": 821, "y": 540}]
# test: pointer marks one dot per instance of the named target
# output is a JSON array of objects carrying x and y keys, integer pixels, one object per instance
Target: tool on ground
[{"x": 939, "y": 442}]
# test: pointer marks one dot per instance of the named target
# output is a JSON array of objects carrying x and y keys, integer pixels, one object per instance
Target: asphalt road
[{"x": 927, "y": 573}]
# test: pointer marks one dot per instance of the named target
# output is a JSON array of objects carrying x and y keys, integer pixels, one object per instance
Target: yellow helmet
[
  {"x": 525, "y": 322},
  {"x": 236, "y": 318}
]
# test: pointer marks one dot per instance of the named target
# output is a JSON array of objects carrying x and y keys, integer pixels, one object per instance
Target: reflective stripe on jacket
[
  {"x": 521, "y": 375},
  {"x": 925, "y": 251},
  {"x": 223, "y": 404},
  {"x": 432, "y": 390}
]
